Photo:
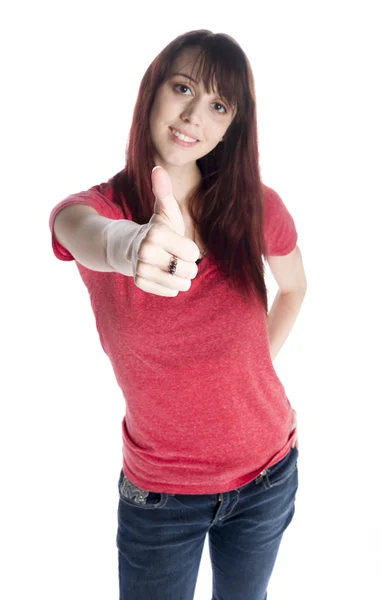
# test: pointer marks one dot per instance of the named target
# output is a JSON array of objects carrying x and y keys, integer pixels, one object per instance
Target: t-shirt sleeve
[
  {"x": 279, "y": 227},
  {"x": 98, "y": 198}
]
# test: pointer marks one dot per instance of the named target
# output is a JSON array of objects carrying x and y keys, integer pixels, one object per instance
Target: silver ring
[{"x": 173, "y": 265}]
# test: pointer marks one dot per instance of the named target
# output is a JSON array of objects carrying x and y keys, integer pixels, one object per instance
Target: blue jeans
[{"x": 161, "y": 537}]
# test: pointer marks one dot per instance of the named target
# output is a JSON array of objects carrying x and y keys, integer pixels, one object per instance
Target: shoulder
[
  {"x": 273, "y": 202},
  {"x": 101, "y": 198},
  {"x": 280, "y": 232}
]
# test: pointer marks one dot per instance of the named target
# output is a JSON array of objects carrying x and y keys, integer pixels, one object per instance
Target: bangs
[
  {"x": 221, "y": 71},
  {"x": 220, "y": 75}
]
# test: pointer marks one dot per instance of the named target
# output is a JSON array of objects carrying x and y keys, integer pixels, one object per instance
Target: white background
[{"x": 70, "y": 75}]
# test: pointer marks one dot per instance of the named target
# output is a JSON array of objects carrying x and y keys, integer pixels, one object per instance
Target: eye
[
  {"x": 219, "y": 104},
  {"x": 181, "y": 85}
]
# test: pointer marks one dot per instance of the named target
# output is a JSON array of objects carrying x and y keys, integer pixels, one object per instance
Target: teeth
[{"x": 182, "y": 137}]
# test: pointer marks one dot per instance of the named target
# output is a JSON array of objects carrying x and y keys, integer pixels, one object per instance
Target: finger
[{"x": 166, "y": 204}]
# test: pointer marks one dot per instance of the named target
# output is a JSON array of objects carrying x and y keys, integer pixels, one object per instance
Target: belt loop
[{"x": 261, "y": 476}]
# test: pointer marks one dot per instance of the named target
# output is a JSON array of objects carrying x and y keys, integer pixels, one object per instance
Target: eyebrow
[{"x": 184, "y": 75}]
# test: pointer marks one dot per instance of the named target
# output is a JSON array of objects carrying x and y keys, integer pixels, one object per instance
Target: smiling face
[{"x": 183, "y": 104}]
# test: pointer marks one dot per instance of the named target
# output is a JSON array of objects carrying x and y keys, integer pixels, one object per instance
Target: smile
[{"x": 181, "y": 139}]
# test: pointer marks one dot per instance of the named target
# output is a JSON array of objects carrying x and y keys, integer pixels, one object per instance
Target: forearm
[{"x": 281, "y": 318}]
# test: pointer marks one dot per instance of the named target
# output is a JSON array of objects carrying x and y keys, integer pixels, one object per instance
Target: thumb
[{"x": 166, "y": 205}]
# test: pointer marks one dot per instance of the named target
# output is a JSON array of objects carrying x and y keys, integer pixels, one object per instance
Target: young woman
[{"x": 209, "y": 435}]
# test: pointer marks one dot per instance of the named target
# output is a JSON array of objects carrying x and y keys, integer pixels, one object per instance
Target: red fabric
[{"x": 205, "y": 409}]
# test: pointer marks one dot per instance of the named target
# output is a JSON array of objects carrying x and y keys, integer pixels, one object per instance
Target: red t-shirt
[{"x": 205, "y": 409}]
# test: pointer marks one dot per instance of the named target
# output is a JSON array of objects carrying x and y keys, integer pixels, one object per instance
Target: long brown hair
[{"x": 227, "y": 208}]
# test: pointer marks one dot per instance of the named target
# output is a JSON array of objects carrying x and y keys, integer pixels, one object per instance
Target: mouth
[{"x": 181, "y": 142}]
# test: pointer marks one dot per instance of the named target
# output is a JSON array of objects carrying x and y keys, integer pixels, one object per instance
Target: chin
[{"x": 176, "y": 160}]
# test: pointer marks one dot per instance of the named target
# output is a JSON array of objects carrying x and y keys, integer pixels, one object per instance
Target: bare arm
[
  {"x": 82, "y": 231},
  {"x": 288, "y": 271}
]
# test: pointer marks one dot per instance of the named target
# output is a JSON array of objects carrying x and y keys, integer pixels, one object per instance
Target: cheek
[
  {"x": 216, "y": 133},
  {"x": 156, "y": 119},
  {"x": 162, "y": 114}
]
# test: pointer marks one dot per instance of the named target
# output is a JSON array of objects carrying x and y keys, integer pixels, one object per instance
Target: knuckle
[
  {"x": 140, "y": 268},
  {"x": 144, "y": 250},
  {"x": 138, "y": 281},
  {"x": 153, "y": 234},
  {"x": 185, "y": 284}
]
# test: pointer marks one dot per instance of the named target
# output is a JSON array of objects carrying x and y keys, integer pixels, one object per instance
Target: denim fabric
[{"x": 161, "y": 536}]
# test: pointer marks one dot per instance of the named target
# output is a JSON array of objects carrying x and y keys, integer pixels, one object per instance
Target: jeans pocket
[
  {"x": 131, "y": 494},
  {"x": 282, "y": 470}
]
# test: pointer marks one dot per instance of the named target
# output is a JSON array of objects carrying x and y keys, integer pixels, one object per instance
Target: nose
[{"x": 192, "y": 113}]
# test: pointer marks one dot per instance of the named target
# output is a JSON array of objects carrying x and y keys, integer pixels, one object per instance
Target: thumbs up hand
[{"x": 164, "y": 238}]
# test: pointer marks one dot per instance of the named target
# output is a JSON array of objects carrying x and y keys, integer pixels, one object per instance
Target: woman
[{"x": 209, "y": 435}]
